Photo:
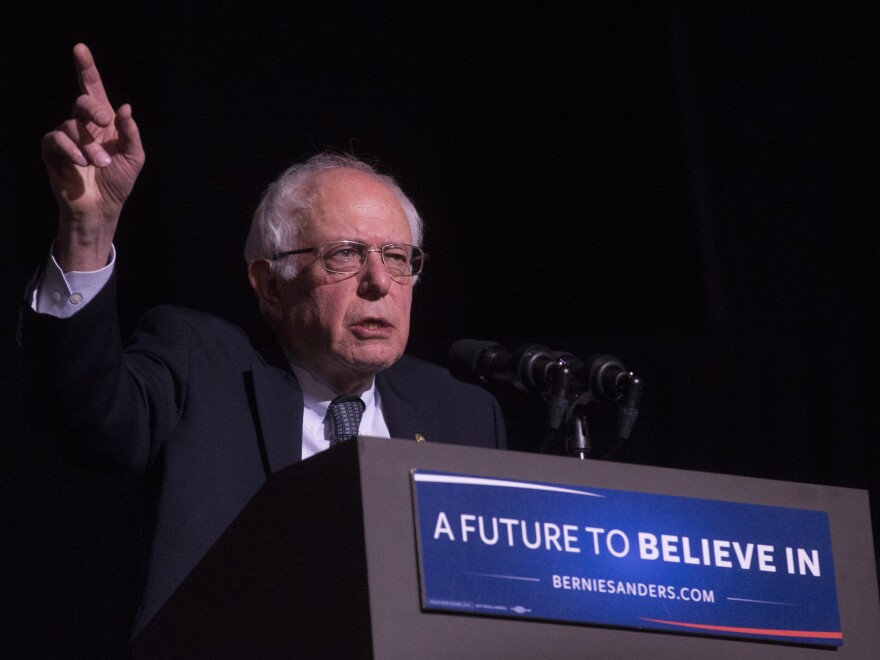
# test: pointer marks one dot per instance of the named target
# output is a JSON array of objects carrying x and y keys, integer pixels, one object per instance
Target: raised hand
[{"x": 93, "y": 160}]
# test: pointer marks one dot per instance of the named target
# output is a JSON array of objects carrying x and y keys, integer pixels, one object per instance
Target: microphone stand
[
  {"x": 562, "y": 405},
  {"x": 577, "y": 431},
  {"x": 577, "y": 438}
]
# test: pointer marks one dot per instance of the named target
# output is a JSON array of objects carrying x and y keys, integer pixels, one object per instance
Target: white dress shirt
[{"x": 317, "y": 396}]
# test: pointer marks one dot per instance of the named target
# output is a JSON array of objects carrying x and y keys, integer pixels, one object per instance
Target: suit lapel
[
  {"x": 400, "y": 414},
  {"x": 276, "y": 403},
  {"x": 279, "y": 406}
]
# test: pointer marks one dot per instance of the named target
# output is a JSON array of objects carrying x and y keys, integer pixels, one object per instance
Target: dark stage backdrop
[{"x": 679, "y": 185}]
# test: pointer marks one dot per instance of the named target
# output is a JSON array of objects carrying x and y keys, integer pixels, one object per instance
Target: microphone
[
  {"x": 559, "y": 377},
  {"x": 536, "y": 369}
]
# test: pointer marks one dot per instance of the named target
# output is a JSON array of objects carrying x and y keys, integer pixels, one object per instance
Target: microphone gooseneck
[{"x": 562, "y": 379}]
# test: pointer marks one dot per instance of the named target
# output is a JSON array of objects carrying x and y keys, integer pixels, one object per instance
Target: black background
[{"x": 686, "y": 187}]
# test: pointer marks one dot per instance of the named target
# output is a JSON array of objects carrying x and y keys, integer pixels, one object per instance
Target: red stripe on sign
[{"x": 815, "y": 634}]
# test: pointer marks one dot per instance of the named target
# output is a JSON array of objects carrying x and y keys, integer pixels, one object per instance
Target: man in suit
[{"x": 190, "y": 411}]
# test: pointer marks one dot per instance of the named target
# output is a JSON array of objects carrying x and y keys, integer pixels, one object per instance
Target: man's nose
[{"x": 375, "y": 278}]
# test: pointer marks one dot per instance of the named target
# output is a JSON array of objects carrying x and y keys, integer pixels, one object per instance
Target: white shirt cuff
[{"x": 64, "y": 294}]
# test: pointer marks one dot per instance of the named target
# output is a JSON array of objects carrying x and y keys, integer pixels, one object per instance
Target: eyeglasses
[{"x": 400, "y": 259}]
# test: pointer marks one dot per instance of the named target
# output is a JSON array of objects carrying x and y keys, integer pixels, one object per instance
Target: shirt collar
[{"x": 317, "y": 393}]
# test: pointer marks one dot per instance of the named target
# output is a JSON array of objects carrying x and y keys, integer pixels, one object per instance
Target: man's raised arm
[{"x": 93, "y": 160}]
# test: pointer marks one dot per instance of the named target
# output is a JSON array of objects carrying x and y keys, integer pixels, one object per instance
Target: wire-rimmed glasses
[{"x": 347, "y": 257}]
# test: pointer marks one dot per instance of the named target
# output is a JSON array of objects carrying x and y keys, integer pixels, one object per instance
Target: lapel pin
[{"x": 420, "y": 437}]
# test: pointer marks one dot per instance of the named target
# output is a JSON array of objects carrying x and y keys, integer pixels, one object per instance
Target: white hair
[{"x": 278, "y": 218}]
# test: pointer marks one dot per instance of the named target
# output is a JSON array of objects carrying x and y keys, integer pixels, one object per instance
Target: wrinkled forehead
[{"x": 352, "y": 205}]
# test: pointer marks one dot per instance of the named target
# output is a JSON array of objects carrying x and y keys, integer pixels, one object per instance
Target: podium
[{"x": 323, "y": 563}]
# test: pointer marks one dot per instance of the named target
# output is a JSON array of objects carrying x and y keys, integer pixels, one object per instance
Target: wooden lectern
[{"x": 323, "y": 563}]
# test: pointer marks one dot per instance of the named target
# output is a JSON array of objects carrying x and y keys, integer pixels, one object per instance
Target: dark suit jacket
[{"x": 195, "y": 418}]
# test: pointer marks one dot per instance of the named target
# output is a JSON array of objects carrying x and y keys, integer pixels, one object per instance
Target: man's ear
[{"x": 265, "y": 285}]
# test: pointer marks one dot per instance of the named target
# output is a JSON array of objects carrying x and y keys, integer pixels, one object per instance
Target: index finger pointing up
[{"x": 89, "y": 78}]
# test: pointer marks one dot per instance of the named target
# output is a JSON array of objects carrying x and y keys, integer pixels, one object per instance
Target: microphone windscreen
[{"x": 463, "y": 358}]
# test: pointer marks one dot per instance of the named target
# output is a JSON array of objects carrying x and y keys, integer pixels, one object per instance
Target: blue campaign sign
[{"x": 636, "y": 560}]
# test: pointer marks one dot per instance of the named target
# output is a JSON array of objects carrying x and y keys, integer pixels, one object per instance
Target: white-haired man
[{"x": 191, "y": 410}]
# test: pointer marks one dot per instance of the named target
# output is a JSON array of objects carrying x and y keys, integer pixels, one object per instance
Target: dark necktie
[{"x": 344, "y": 415}]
